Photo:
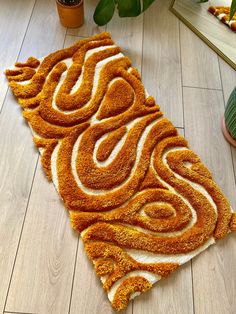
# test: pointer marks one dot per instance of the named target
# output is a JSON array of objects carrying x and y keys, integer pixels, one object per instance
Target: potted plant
[
  {"x": 126, "y": 8},
  {"x": 71, "y": 12},
  {"x": 229, "y": 119},
  {"x": 130, "y": 8}
]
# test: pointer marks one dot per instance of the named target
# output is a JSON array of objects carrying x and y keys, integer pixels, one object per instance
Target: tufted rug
[{"x": 142, "y": 201}]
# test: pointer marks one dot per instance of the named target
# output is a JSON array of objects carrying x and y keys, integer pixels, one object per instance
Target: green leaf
[
  {"x": 129, "y": 8},
  {"x": 232, "y": 9},
  {"x": 230, "y": 114},
  {"x": 201, "y": 1},
  {"x": 146, "y": 4},
  {"x": 104, "y": 12}
]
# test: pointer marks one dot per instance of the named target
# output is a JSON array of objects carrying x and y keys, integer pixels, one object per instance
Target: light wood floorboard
[
  {"x": 128, "y": 34},
  {"x": 214, "y": 270},
  {"x": 15, "y": 145},
  {"x": 17, "y": 164},
  {"x": 170, "y": 295},
  {"x": 45, "y": 33},
  {"x": 161, "y": 67},
  {"x": 228, "y": 76},
  {"x": 214, "y": 289},
  {"x": 13, "y": 25},
  {"x": 43, "y": 272},
  {"x": 199, "y": 66},
  {"x": 88, "y": 295}
]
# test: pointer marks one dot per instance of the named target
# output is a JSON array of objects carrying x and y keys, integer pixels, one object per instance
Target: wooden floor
[{"x": 43, "y": 268}]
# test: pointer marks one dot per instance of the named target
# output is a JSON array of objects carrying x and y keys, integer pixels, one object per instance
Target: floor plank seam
[
  {"x": 204, "y": 88},
  {"x": 63, "y": 45},
  {"x": 21, "y": 232},
  {"x": 191, "y": 266},
  {"x": 6, "y": 312},
  {"x": 73, "y": 35},
  {"x": 221, "y": 83},
  {"x": 4, "y": 307},
  {"x": 4, "y": 99},
  {"x": 181, "y": 76},
  {"x": 141, "y": 70},
  {"x": 73, "y": 278}
]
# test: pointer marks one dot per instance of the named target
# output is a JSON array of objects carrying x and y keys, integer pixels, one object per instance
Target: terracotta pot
[
  {"x": 71, "y": 16},
  {"x": 226, "y": 133}
]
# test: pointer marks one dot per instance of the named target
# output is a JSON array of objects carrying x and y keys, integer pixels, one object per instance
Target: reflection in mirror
[{"x": 216, "y": 34}]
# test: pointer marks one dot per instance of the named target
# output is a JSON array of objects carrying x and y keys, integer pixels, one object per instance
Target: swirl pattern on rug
[{"x": 142, "y": 200}]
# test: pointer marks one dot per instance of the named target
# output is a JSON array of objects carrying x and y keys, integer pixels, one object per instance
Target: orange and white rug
[{"x": 142, "y": 200}]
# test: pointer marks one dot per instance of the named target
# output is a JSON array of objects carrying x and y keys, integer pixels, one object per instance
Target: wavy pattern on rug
[{"x": 142, "y": 200}]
